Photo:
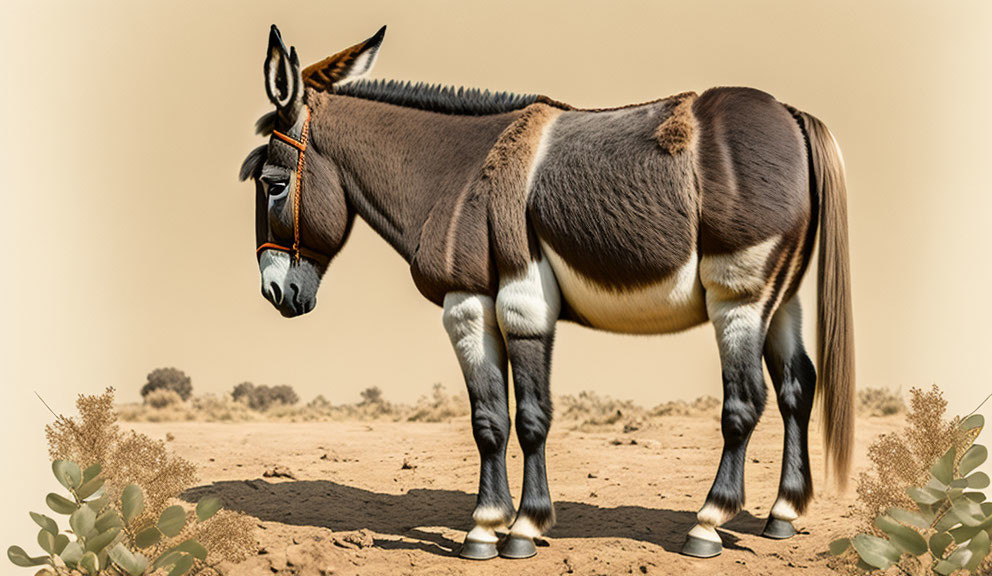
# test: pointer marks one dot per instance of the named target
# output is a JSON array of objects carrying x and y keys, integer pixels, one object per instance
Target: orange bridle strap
[{"x": 301, "y": 146}]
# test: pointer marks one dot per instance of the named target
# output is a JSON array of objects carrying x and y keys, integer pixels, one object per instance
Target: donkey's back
[{"x": 639, "y": 208}]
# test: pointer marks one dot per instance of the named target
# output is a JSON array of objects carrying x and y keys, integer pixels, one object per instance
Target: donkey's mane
[{"x": 440, "y": 98}]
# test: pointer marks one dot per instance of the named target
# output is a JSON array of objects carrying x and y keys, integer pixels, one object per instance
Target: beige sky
[{"x": 128, "y": 241}]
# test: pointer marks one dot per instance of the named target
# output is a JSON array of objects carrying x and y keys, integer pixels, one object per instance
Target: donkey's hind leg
[
  {"x": 470, "y": 320},
  {"x": 794, "y": 378},
  {"x": 527, "y": 308}
]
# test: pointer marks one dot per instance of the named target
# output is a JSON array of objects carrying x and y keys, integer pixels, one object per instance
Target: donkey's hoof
[
  {"x": 701, "y": 548},
  {"x": 518, "y": 547},
  {"x": 473, "y": 550},
  {"x": 778, "y": 529}
]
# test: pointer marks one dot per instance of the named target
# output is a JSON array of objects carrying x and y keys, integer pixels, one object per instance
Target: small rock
[
  {"x": 169, "y": 437},
  {"x": 407, "y": 465},
  {"x": 278, "y": 471},
  {"x": 591, "y": 475}
]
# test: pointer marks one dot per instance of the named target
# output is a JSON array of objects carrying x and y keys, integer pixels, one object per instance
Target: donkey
[{"x": 517, "y": 211}]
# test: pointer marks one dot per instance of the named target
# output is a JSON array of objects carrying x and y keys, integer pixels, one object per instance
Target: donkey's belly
[{"x": 671, "y": 304}]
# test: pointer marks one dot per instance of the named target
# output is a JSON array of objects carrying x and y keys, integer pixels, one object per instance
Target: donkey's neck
[{"x": 396, "y": 162}]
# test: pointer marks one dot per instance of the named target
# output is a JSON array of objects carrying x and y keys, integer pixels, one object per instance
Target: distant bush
[
  {"x": 264, "y": 397},
  {"x": 163, "y": 398},
  {"x": 169, "y": 379},
  {"x": 371, "y": 395},
  {"x": 880, "y": 402},
  {"x": 439, "y": 406}
]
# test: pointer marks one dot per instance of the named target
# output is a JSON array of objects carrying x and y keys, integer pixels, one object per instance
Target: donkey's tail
[{"x": 835, "y": 325}]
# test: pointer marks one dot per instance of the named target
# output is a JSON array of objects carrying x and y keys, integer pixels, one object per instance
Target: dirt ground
[{"x": 396, "y": 498}]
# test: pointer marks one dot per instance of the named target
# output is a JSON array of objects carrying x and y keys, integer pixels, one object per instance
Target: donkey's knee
[{"x": 528, "y": 304}]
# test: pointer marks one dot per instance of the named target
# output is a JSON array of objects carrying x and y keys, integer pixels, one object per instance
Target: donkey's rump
[{"x": 615, "y": 206}]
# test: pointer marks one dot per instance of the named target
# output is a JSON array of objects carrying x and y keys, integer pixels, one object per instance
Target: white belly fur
[{"x": 672, "y": 304}]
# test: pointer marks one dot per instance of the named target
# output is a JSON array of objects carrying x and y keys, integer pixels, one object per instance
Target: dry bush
[
  {"x": 163, "y": 398},
  {"x": 439, "y": 406},
  {"x": 264, "y": 397},
  {"x": 879, "y": 402},
  {"x": 131, "y": 458},
  {"x": 903, "y": 459},
  {"x": 701, "y": 405},
  {"x": 593, "y": 411}
]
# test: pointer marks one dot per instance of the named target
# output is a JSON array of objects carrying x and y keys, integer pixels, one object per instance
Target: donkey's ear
[
  {"x": 283, "y": 83},
  {"x": 345, "y": 66}
]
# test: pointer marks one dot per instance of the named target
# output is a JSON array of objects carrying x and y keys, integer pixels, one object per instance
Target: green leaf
[
  {"x": 968, "y": 512},
  {"x": 83, "y": 521},
  {"x": 193, "y": 548},
  {"x": 61, "y": 541},
  {"x": 960, "y": 557},
  {"x": 839, "y": 546},
  {"x": 134, "y": 564},
  {"x": 922, "y": 497},
  {"x": 67, "y": 473},
  {"x": 107, "y": 520},
  {"x": 102, "y": 540},
  {"x": 172, "y": 520},
  {"x": 902, "y": 537},
  {"x": 90, "y": 563},
  {"x": 949, "y": 521},
  {"x": 972, "y": 458},
  {"x": 979, "y": 547},
  {"x": 132, "y": 502},
  {"x": 72, "y": 554},
  {"x": 148, "y": 537},
  {"x": 973, "y": 421},
  {"x": 964, "y": 533},
  {"x": 99, "y": 504},
  {"x": 876, "y": 551},
  {"x": 944, "y": 567},
  {"x": 907, "y": 517},
  {"x": 46, "y": 540},
  {"x": 943, "y": 470},
  {"x": 978, "y": 481},
  {"x": 19, "y": 557},
  {"x": 939, "y": 543},
  {"x": 181, "y": 566},
  {"x": 45, "y": 522},
  {"x": 207, "y": 507},
  {"x": 92, "y": 472},
  {"x": 90, "y": 488},
  {"x": 60, "y": 504},
  {"x": 167, "y": 559}
]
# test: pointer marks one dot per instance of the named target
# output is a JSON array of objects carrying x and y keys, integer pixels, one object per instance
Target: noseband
[{"x": 296, "y": 250}]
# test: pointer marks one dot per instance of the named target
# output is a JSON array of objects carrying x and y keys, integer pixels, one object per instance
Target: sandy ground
[{"x": 396, "y": 498}]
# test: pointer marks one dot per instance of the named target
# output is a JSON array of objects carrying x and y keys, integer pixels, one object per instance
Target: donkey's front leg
[
  {"x": 470, "y": 320},
  {"x": 527, "y": 308},
  {"x": 740, "y": 334}
]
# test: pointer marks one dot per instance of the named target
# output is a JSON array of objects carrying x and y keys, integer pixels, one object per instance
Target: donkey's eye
[{"x": 277, "y": 188}]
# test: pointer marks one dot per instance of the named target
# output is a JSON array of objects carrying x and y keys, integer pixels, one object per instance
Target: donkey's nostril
[{"x": 276, "y": 293}]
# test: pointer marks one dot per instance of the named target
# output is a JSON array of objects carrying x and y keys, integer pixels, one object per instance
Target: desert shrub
[
  {"x": 701, "y": 405},
  {"x": 264, "y": 397},
  {"x": 163, "y": 398},
  {"x": 439, "y": 406},
  {"x": 169, "y": 379},
  {"x": 123, "y": 517},
  {"x": 593, "y": 411},
  {"x": 371, "y": 395},
  {"x": 880, "y": 402},
  {"x": 917, "y": 477}
]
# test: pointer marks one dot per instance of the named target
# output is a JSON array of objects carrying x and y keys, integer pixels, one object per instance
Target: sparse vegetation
[
  {"x": 122, "y": 506},
  {"x": 168, "y": 379},
  {"x": 264, "y": 397},
  {"x": 920, "y": 507},
  {"x": 880, "y": 402}
]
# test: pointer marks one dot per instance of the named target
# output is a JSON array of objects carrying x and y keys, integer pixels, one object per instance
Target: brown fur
[
  {"x": 835, "y": 326},
  {"x": 676, "y": 132},
  {"x": 324, "y": 74},
  {"x": 752, "y": 168},
  {"x": 619, "y": 210},
  {"x": 504, "y": 182}
]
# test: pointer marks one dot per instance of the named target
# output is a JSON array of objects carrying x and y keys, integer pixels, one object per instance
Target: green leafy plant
[
  {"x": 950, "y": 529},
  {"x": 109, "y": 538}
]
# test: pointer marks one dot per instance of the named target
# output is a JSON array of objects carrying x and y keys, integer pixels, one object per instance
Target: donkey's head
[{"x": 302, "y": 216}]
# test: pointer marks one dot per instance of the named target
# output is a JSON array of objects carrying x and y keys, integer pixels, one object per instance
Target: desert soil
[{"x": 396, "y": 498}]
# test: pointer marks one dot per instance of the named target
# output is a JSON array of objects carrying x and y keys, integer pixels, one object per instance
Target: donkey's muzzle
[{"x": 291, "y": 301}]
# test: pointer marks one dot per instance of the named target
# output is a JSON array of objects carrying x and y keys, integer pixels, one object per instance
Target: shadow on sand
[{"x": 327, "y": 504}]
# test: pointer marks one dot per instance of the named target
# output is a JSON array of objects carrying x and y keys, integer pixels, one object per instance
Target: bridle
[{"x": 296, "y": 250}]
